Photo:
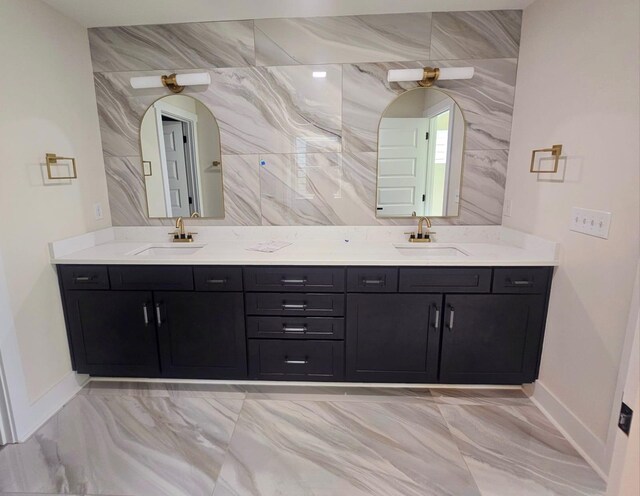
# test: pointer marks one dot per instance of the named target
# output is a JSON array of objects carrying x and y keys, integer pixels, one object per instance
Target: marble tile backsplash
[{"x": 298, "y": 150}]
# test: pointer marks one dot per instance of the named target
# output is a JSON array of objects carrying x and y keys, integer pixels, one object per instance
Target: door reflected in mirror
[
  {"x": 420, "y": 154},
  {"x": 181, "y": 159}
]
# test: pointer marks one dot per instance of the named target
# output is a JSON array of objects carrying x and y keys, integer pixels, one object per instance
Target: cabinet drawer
[
  {"x": 327, "y": 305},
  {"x": 295, "y": 327},
  {"x": 529, "y": 280},
  {"x": 445, "y": 280},
  {"x": 151, "y": 277},
  {"x": 276, "y": 359},
  {"x": 316, "y": 279},
  {"x": 84, "y": 276},
  {"x": 217, "y": 278},
  {"x": 372, "y": 279}
]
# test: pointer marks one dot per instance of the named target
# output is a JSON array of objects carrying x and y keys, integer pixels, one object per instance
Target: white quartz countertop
[{"x": 454, "y": 246}]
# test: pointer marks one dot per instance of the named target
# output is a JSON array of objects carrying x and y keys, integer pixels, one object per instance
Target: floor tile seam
[
  {"x": 457, "y": 445},
  {"x": 228, "y": 448}
]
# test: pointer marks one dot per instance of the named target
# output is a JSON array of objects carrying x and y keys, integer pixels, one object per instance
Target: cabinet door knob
[
  {"x": 158, "y": 314},
  {"x": 294, "y": 330},
  {"x": 372, "y": 281},
  {"x": 216, "y": 281},
  {"x": 296, "y": 362},
  {"x": 436, "y": 324},
  {"x": 293, "y": 281}
]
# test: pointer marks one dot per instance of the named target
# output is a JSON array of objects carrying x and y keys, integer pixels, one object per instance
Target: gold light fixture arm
[
  {"x": 171, "y": 82},
  {"x": 429, "y": 76}
]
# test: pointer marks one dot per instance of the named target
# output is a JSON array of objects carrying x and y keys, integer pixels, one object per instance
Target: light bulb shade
[
  {"x": 405, "y": 75},
  {"x": 456, "y": 73},
  {"x": 142, "y": 82},
  {"x": 418, "y": 74},
  {"x": 193, "y": 79},
  {"x": 146, "y": 82}
]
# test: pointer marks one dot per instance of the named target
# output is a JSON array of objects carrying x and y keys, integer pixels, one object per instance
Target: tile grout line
[{"x": 455, "y": 442}]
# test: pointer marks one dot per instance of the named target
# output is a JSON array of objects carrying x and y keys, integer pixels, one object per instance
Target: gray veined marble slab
[
  {"x": 309, "y": 189},
  {"x": 478, "y": 35},
  {"x": 177, "y": 46},
  {"x": 484, "y": 177},
  {"x": 277, "y": 109},
  {"x": 342, "y": 448},
  {"x": 321, "y": 40},
  {"x": 124, "y": 445},
  {"x": 125, "y": 184},
  {"x": 163, "y": 390},
  {"x": 486, "y": 101},
  {"x": 516, "y": 450}
]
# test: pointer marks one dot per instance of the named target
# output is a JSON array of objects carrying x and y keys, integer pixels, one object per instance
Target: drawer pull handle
[
  {"x": 82, "y": 279},
  {"x": 294, "y": 330},
  {"x": 294, "y": 281},
  {"x": 372, "y": 281},
  {"x": 145, "y": 312},
  {"x": 216, "y": 281},
  {"x": 522, "y": 282},
  {"x": 158, "y": 314},
  {"x": 296, "y": 362},
  {"x": 452, "y": 314},
  {"x": 294, "y": 306},
  {"x": 436, "y": 324}
]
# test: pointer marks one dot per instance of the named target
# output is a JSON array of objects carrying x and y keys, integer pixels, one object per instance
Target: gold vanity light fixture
[
  {"x": 555, "y": 150},
  {"x": 52, "y": 159},
  {"x": 175, "y": 82},
  {"x": 428, "y": 75}
]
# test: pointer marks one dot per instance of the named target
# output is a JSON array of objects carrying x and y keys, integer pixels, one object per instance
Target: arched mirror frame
[
  {"x": 462, "y": 164},
  {"x": 142, "y": 161}
]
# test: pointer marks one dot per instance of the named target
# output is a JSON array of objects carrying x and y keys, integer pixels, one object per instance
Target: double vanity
[{"x": 336, "y": 304}]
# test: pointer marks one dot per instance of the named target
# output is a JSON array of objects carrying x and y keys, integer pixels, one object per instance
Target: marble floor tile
[
  {"x": 336, "y": 393},
  {"x": 480, "y": 35},
  {"x": 450, "y": 396},
  {"x": 514, "y": 450},
  {"x": 124, "y": 445},
  {"x": 164, "y": 389},
  {"x": 342, "y": 448},
  {"x": 320, "y": 40}
]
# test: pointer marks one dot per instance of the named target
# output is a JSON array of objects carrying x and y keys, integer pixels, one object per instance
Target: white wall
[
  {"x": 47, "y": 104},
  {"x": 208, "y": 139},
  {"x": 578, "y": 85}
]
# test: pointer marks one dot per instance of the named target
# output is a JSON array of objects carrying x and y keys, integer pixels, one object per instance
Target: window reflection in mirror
[
  {"x": 181, "y": 160},
  {"x": 420, "y": 152}
]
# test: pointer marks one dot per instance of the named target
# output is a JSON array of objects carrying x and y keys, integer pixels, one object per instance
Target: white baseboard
[
  {"x": 590, "y": 446},
  {"x": 48, "y": 405}
]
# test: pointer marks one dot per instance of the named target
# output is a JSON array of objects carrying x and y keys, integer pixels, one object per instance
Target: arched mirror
[
  {"x": 181, "y": 160},
  {"x": 420, "y": 152}
]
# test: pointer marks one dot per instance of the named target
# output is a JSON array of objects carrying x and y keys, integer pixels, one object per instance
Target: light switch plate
[
  {"x": 97, "y": 211},
  {"x": 591, "y": 222}
]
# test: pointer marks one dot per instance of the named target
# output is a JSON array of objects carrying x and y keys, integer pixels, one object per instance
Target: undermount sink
[
  {"x": 424, "y": 250},
  {"x": 168, "y": 250}
]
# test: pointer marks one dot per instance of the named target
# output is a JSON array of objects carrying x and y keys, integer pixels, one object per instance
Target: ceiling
[{"x": 94, "y": 13}]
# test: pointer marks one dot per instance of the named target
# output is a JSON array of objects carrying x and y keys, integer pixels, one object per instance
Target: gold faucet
[
  {"x": 180, "y": 235},
  {"x": 422, "y": 236}
]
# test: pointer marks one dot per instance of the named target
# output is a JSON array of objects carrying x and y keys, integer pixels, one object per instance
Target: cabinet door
[
  {"x": 393, "y": 337},
  {"x": 113, "y": 333},
  {"x": 201, "y": 334},
  {"x": 491, "y": 339}
]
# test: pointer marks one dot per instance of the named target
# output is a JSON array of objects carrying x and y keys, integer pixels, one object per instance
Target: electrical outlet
[
  {"x": 591, "y": 222},
  {"x": 508, "y": 204},
  {"x": 97, "y": 211}
]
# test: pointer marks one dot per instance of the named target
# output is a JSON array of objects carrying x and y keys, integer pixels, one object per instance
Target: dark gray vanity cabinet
[
  {"x": 135, "y": 328},
  {"x": 201, "y": 335},
  {"x": 473, "y": 325},
  {"x": 491, "y": 339},
  {"x": 393, "y": 337},
  {"x": 113, "y": 333}
]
